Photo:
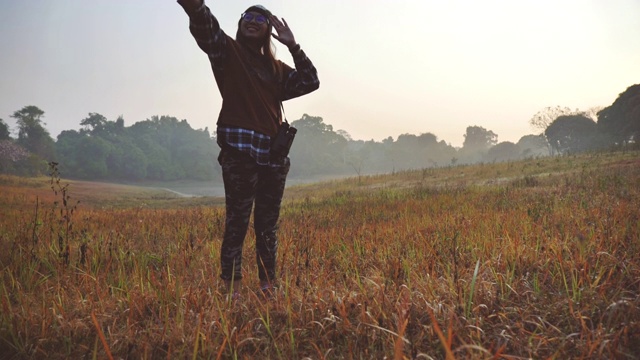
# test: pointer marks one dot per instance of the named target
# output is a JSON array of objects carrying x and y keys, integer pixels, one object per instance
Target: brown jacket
[{"x": 251, "y": 94}]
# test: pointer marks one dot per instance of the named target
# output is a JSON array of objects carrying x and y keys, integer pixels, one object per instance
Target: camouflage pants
[{"x": 246, "y": 183}]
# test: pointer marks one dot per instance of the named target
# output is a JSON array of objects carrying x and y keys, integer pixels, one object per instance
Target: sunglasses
[{"x": 260, "y": 19}]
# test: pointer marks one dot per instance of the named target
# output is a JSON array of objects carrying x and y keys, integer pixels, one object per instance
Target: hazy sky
[{"x": 386, "y": 67}]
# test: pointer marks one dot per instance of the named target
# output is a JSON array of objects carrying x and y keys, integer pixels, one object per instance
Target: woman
[{"x": 253, "y": 85}]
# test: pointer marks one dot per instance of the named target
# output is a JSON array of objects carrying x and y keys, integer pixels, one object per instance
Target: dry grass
[{"x": 533, "y": 259}]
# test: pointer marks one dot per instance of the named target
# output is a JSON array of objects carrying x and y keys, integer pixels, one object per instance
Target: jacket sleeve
[
  {"x": 301, "y": 80},
  {"x": 207, "y": 32}
]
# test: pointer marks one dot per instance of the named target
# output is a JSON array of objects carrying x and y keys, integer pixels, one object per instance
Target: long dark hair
[{"x": 267, "y": 48}]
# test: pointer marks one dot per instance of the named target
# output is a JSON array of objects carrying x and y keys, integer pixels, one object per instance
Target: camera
[{"x": 281, "y": 144}]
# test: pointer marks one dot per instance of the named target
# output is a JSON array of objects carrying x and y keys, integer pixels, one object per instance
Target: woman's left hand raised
[{"x": 283, "y": 32}]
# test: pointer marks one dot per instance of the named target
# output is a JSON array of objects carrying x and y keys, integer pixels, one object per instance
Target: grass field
[{"x": 532, "y": 259}]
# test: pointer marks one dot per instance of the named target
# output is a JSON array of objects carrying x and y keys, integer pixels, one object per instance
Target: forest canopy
[{"x": 164, "y": 148}]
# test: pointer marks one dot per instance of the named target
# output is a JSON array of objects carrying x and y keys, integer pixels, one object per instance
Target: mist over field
[{"x": 216, "y": 188}]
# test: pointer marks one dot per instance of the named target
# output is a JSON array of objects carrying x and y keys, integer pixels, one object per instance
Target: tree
[
  {"x": 174, "y": 150},
  {"x": 92, "y": 153},
  {"x": 317, "y": 149},
  {"x": 621, "y": 121},
  {"x": 67, "y": 147},
  {"x": 543, "y": 118},
  {"x": 477, "y": 141},
  {"x": 126, "y": 161},
  {"x": 94, "y": 123},
  {"x": 358, "y": 153},
  {"x": 159, "y": 148},
  {"x": 405, "y": 151},
  {"x": 13, "y": 158},
  {"x": 344, "y": 134},
  {"x": 592, "y": 112},
  {"x": 572, "y": 133},
  {"x": 533, "y": 145},
  {"x": 28, "y": 118},
  {"x": 4, "y": 130},
  {"x": 422, "y": 151},
  {"x": 478, "y": 138},
  {"x": 160, "y": 166},
  {"x": 504, "y": 151},
  {"x": 31, "y": 133},
  {"x": 198, "y": 160}
]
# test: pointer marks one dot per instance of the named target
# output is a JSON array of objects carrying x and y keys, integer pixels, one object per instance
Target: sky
[{"x": 386, "y": 68}]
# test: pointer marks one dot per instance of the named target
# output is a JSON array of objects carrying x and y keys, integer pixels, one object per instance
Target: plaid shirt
[{"x": 248, "y": 141}]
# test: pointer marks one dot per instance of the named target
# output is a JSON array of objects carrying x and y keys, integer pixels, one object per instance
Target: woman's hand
[
  {"x": 190, "y": 5},
  {"x": 283, "y": 32}
]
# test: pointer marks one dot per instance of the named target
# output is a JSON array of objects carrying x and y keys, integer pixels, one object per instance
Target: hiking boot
[
  {"x": 232, "y": 290},
  {"x": 267, "y": 290}
]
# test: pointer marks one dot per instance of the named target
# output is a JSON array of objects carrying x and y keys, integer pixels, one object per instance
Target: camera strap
[
  {"x": 284, "y": 116},
  {"x": 281, "y": 143}
]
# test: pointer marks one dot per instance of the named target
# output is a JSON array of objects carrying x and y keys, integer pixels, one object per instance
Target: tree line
[{"x": 164, "y": 148}]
